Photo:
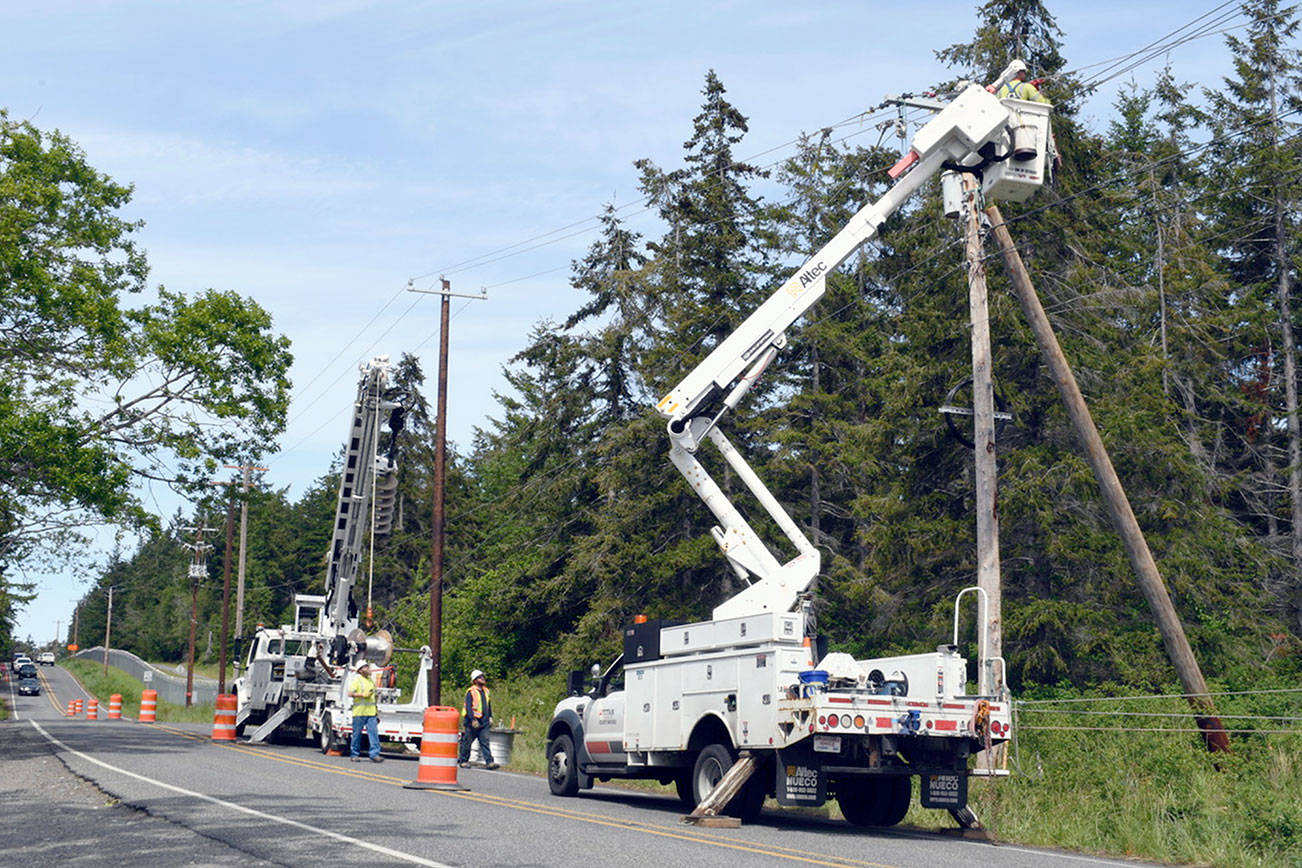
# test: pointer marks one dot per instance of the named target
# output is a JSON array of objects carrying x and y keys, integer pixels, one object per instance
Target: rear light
[
  {"x": 832, "y": 720},
  {"x": 822, "y": 721},
  {"x": 859, "y": 721}
]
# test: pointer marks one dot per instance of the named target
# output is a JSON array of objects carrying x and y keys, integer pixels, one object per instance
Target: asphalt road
[{"x": 165, "y": 794}]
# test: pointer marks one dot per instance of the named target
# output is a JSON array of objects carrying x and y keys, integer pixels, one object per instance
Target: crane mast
[{"x": 366, "y": 475}]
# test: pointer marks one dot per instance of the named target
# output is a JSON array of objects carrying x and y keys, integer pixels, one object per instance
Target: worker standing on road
[
  {"x": 478, "y": 714},
  {"x": 365, "y": 714}
]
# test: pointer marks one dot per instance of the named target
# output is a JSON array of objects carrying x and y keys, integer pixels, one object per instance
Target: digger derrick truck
[
  {"x": 297, "y": 676},
  {"x": 752, "y": 686}
]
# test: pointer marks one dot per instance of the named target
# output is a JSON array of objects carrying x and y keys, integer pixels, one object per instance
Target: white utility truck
[
  {"x": 685, "y": 701},
  {"x": 296, "y": 677}
]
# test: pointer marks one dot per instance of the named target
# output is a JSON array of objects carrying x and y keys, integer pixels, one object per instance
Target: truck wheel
[
  {"x": 327, "y": 737},
  {"x": 562, "y": 768},
  {"x": 712, "y": 764},
  {"x": 875, "y": 801},
  {"x": 897, "y": 792},
  {"x": 683, "y": 785}
]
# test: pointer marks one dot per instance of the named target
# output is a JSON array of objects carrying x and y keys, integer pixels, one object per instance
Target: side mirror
[{"x": 575, "y": 683}]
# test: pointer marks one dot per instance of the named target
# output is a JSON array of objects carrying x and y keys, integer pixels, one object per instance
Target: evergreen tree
[
  {"x": 1256, "y": 200},
  {"x": 707, "y": 270}
]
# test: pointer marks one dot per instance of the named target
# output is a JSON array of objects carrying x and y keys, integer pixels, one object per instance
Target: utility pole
[
  {"x": 983, "y": 452},
  {"x": 108, "y": 623},
  {"x": 198, "y": 570},
  {"x": 1114, "y": 496},
  {"x": 226, "y": 585},
  {"x": 440, "y": 467},
  {"x": 226, "y": 591},
  {"x": 244, "y": 530},
  {"x": 76, "y": 621}
]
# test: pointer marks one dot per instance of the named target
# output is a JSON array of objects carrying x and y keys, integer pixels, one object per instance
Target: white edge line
[{"x": 378, "y": 848}]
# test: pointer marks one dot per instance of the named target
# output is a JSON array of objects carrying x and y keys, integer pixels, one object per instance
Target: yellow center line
[
  {"x": 777, "y": 851},
  {"x": 49, "y": 693}
]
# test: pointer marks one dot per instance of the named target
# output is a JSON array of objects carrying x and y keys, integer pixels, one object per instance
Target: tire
[
  {"x": 327, "y": 737},
  {"x": 875, "y": 801},
  {"x": 683, "y": 785},
  {"x": 712, "y": 764},
  {"x": 898, "y": 794},
  {"x": 562, "y": 767}
]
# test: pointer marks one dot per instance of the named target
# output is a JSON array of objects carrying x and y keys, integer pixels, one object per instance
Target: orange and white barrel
[
  {"x": 115, "y": 707},
  {"x": 437, "y": 769},
  {"x": 72, "y": 708},
  {"x": 92, "y": 710},
  {"x": 77, "y": 705},
  {"x": 223, "y": 719},
  {"x": 148, "y": 706}
]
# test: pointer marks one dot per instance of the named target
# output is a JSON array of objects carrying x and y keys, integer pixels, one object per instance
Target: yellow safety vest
[
  {"x": 1021, "y": 90},
  {"x": 364, "y": 705}
]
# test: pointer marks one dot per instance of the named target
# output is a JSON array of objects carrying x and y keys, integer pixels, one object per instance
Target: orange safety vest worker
[{"x": 479, "y": 706}]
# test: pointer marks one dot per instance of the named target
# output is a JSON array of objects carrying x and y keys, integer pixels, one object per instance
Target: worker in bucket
[
  {"x": 1020, "y": 88},
  {"x": 365, "y": 714},
  {"x": 478, "y": 715}
]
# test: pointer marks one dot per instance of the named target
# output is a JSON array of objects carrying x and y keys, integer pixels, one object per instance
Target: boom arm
[
  {"x": 366, "y": 475},
  {"x": 967, "y": 132}
]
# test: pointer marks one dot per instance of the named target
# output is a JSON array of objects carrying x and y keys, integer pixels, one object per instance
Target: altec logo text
[{"x": 808, "y": 276}]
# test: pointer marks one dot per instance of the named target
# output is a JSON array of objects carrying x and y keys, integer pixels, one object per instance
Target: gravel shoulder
[{"x": 55, "y": 817}]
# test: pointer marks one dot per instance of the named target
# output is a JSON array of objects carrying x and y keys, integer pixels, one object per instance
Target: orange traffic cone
[
  {"x": 148, "y": 706},
  {"x": 223, "y": 721},
  {"x": 438, "y": 751}
]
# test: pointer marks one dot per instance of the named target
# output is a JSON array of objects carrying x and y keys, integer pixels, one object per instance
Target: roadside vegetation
[{"x": 102, "y": 686}]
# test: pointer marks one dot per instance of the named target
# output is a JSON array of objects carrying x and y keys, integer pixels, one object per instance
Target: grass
[
  {"x": 101, "y": 686},
  {"x": 1156, "y": 795}
]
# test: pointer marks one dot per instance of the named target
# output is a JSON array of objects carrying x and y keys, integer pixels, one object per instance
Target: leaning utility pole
[
  {"x": 440, "y": 465},
  {"x": 1114, "y": 496}
]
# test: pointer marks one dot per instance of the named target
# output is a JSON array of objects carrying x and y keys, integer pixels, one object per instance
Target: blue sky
[{"x": 319, "y": 155}]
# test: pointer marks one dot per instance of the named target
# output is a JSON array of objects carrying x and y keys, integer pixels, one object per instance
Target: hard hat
[{"x": 476, "y": 675}]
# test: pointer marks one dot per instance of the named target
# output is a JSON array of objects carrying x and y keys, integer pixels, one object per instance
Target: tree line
[{"x": 1164, "y": 252}]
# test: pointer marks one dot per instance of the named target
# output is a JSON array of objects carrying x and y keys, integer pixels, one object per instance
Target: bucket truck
[
  {"x": 684, "y": 702},
  {"x": 297, "y": 676}
]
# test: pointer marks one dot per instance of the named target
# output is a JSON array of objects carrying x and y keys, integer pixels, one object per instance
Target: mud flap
[
  {"x": 946, "y": 790},
  {"x": 799, "y": 776}
]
